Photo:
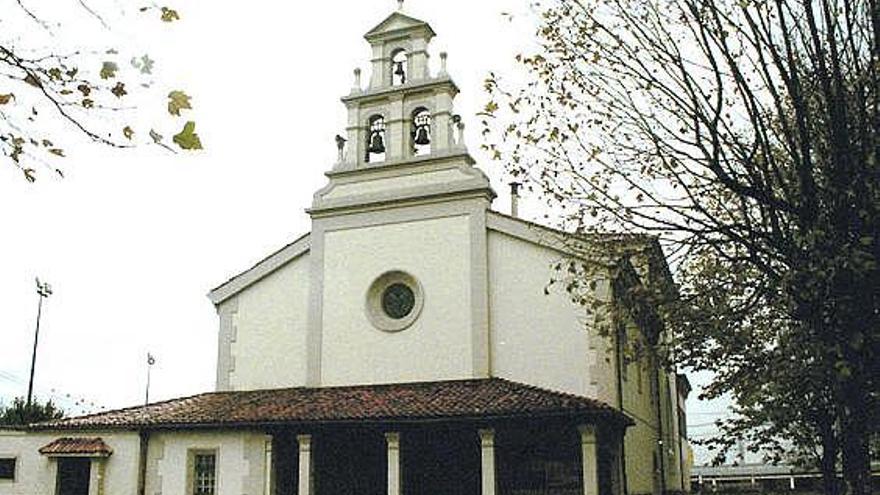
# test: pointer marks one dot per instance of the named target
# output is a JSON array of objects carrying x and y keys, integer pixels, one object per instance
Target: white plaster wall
[
  {"x": 35, "y": 473},
  {"x": 438, "y": 345},
  {"x": 536, "y": 338},
  {"x": 641, "y": 439},
  {"x": 268, "y": 347},
  {"x": 237, "y": 461}
]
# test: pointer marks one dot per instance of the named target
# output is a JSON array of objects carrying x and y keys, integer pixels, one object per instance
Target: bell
[
  {"x": 422, "y": 136},
  {"x": 399, "y": 72},
  {"x": 377, "y": 144}
]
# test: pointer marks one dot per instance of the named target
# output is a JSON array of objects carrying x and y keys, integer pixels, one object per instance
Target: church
[{"x": 408, "y": 345}]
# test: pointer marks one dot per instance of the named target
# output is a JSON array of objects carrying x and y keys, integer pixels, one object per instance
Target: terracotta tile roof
[
  {"x": 77, "y": 447},
  {"x": 458, "y": 399}
]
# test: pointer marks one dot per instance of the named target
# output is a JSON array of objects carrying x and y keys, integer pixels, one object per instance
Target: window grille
[{"x": 204, "y": 474}]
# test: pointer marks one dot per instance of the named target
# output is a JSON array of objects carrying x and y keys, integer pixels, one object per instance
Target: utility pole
[{"x": 44, "y": 290}]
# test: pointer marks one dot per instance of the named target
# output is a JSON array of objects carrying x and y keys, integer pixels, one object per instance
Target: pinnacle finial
[{"x": 399, "y": 4}]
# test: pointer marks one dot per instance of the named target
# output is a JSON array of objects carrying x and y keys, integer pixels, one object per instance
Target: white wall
[
  {"x": 35, "y": 473},
  {"x": 269, "y": 322},
  {"x": 541, "y": 339},
  {"x": 438, "y": 346},
  {"x": 240, "y": 461}
]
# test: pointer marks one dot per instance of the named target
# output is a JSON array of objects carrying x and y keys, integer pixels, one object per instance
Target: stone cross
[{"x": 399, "y": 4}]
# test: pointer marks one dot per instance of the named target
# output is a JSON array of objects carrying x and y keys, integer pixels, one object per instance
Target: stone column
[
  {"x": 487, "y": 449},
  {"x": 102, "y": 469},
  {"x": 305, "y": 464},
  {"x": 396, "y": 131},
  {"x": 588, "y": 459},
  {"x": 393, "y": 441}
]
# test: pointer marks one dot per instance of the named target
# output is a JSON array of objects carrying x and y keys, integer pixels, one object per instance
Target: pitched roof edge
[
  {"x": 557, "y": 240},
  {"x": 598, "y": 408},
  {"x": 417, "y": 23},
  {"x": 261, "y": 269}
]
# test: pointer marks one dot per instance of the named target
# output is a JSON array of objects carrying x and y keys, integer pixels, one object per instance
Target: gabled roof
[
  {"x": 260, "y": 270},
  {"x": 77, "y": 447},
  {"x": 517, "y": 227},
  {"x": 397, "y": 23},
  {"x": 398, "y": 402}
]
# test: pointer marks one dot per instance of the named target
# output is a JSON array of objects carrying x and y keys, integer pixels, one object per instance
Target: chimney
[{"x": 514, "y": 199}]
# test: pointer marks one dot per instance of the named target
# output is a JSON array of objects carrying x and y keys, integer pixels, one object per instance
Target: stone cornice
[{"x": 443, "y": 82}]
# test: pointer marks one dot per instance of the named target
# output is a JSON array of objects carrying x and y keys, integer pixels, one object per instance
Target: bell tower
[
  {"x": 400, "y": 122},
  {"x": 404, "y": 209},
  {"x": 404, "y": 111}
]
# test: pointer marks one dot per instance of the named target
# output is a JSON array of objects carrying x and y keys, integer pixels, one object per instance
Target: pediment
[{"x": 397, "y": 22}]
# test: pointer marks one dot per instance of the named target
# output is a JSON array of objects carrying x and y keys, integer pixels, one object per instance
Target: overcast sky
[{"x": 132, "y": 241}]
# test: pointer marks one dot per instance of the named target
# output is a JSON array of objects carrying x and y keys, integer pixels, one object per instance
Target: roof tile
[
  {"x": 77, "y": 447},
  {"x": 492, "y": 397}
]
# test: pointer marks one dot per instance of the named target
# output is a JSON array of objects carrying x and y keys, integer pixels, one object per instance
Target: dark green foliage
[{"x": 21, "y": 414}]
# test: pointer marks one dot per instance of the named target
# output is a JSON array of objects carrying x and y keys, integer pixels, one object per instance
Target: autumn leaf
[
  {"x": 47, "y": 143},
  {"x": 143, "y": 64},
  {"x": 155, "y": 136},
  {"x": 108, "y": 70},
  {"x": 88, "y": 103},
  {"x": 4, "y": 99},
  {"x": 55, "y": 73},
  {"x": 178, "y": 100},
  {"x": 187, "y": 138},
  {"x": 119, "y": 90},
  {"x": 128, "y": 132},
  {"x": 169, "y": 15},
  {"x": 84, "y": 89},
  {"x": 57, "y": 152},
  {"x": 29, "y": 174}
]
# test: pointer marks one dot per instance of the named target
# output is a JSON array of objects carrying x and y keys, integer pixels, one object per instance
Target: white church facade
[{"x": 407, "y": 345}]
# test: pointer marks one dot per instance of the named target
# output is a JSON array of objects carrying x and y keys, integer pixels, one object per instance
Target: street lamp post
[{"x": 44, "y": 290}]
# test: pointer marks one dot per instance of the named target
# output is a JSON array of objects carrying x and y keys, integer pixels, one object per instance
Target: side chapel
[{"x": 405, "y": 346}]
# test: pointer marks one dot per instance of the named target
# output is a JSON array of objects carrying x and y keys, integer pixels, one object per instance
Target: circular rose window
[
  {"x": 398, "y": 300},
  {"x": 394, "y": 301}
]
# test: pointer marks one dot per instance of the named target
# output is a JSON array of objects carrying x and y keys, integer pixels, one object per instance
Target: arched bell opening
[
  {"x": 421, "y": 132},
  {"x": 399, "y": 67},
  {"x": 376, "y": 144}
]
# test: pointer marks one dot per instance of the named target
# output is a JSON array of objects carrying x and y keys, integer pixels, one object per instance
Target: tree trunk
[
  {"x": 828, "y": 463},
  {"x": 854, "y": 436}
]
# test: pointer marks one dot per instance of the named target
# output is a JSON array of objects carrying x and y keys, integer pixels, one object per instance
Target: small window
[
  {"x": 7, "y": 468},
  {"x": 639, "y": 371},
  {"x": 204, "y": 473}
]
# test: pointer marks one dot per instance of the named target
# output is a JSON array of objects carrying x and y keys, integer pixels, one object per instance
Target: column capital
[
  {"x": 392, "y": 438},
  {"x": 305, "y": 441},
  {"x": 487, "y": 437},
  {"x": 588, "y": 433}
]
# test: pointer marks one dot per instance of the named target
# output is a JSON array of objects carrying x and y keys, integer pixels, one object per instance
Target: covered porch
[
  {"x": 486, "y": 436},
  {"x": 522, "y": 456}
]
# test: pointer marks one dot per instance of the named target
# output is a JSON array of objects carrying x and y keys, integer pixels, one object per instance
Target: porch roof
[
  {"x": 474, "y": 399},
  {"x": 77, "y": 447}
]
